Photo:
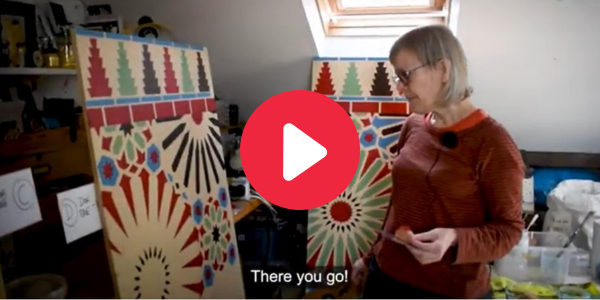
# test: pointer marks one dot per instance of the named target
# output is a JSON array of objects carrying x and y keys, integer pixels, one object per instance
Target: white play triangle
[{"x": 300, "y": 152}]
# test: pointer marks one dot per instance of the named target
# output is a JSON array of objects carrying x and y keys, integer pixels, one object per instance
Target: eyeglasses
[{"x": 404, "y": 76}]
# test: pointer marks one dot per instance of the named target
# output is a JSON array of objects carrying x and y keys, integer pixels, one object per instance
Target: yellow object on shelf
[
  {"x": 66, "y": 52},
  {"x": 51, "y": 60},
  {"x": 67, "y": 60}
]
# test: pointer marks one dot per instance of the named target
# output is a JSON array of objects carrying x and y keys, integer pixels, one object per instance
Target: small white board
[
  {"x": 79, "y": 212},
  {"x": 19, "y": 206}
]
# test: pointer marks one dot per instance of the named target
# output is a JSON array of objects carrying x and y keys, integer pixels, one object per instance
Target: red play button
[{"x": 300, "y": 150}]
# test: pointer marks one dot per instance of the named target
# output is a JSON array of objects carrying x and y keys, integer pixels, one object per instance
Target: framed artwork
[
  {"x": 160, "y": 176},
  {"x": 345, "y": 229}
]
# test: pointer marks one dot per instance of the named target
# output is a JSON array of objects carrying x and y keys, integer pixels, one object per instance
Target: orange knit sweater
[{"x": 474, "y": 188}]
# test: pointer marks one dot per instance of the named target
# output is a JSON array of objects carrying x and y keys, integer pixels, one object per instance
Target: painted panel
[
  {"x": 160, "y": 173},
  {"x": 345, "y": 229}
]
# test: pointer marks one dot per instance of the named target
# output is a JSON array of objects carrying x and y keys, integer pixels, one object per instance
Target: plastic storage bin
[
  {"x": 579, "y": 267},
  {"x": 539, "y": 257}
]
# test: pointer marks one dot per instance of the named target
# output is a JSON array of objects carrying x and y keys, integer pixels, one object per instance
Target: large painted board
[
  {"x": 161, "y": 181},
  {"x": 344, "y": 229}
]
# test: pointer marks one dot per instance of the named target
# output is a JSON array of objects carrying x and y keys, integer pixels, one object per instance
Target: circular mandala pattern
[{"x": 215, "y": 234}]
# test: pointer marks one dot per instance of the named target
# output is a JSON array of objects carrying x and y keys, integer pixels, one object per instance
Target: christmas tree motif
[
  {"x": 171, "y": 86},
  {"x": 381, "y": 82},
  {"x": 150, "y": 81},
  {"x": 188, "y": 85},
  {"x": 324, "y": 82},
  {"x": 202, "y": 80},
  {"x": 351, "y": 84},
  {"x": 126, "y": 84},
  {"x": 98, "y": 81}
]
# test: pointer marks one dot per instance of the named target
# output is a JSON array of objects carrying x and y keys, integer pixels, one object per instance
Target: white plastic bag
[{"x": 568, "y": 203}]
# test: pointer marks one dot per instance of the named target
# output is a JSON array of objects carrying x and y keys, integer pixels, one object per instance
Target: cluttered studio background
[{"x": 121, "y": 122}]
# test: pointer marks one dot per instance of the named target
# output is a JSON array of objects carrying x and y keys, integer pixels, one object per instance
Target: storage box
[{"x": 539, "y": 257}]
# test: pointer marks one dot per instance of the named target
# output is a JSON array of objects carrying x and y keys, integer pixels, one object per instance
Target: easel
[{"x": 2, "y": 290}]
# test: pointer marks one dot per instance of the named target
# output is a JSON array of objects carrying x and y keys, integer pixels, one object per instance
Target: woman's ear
[{"x": 444, "y": 66}]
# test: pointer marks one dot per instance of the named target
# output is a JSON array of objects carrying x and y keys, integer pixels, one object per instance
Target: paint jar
[
  {"x": 21, "y": 52},
  {"x": 66, "y": 53},
  {"x": 67, "y": 60},
  {"x": 51, "y": 60}
]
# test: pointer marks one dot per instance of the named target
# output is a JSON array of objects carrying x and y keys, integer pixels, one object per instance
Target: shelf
[
  {"x": 229, "y": 127},
  {"x": 37, "y": 71}
]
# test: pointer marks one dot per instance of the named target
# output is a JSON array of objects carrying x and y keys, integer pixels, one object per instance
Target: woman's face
[{"x": 421, "y": 85}]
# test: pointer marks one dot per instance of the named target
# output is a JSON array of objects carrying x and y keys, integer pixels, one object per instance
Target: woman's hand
[
  {"x": 358, "y": 271},
  {"x": 429, "y": 247}
]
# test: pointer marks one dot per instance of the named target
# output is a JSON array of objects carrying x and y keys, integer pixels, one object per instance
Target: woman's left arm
[{"x": 501, "y": 178}]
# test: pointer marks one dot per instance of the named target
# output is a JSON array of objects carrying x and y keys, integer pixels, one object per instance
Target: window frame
[{"x": 379, "y": 21}]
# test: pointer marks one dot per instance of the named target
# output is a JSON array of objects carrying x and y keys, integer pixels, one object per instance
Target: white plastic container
[
  {"x": 539, "y": 257},
  {"x": 579, "y": 267}
]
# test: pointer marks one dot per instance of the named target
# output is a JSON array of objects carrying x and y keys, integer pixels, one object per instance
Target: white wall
[{"x": 534, "y": 64}]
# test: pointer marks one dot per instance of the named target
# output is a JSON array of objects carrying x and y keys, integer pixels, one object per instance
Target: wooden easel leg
[{"x": 2, "y": 290}]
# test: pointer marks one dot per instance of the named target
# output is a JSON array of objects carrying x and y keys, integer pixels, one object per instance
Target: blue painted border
[
  {"x": 127, "y": 100},
  {"x": 378, "y": 59},
  {"x": 370, "y": 98},
  {"x": 351, "y": 98},
  {"x": 171, "y": 97},
  {"x": 103, "y": 102},
  {"x": 325, "y": 58},
  {"x": 125, "y": 37},
  {"x": 100, "y": 102},
  {"x": 151, "y": 98},
  {"x": 91, "y": 33},
  {"x": 353, "y": 58},
  {"x": 117, "y": 36}
]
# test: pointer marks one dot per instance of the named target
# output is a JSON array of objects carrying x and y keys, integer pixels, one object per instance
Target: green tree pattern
[
  {"x": 188, "y": 85},
  {"x": 126, "y": 83},
  {"x": 351, "y": 84}
]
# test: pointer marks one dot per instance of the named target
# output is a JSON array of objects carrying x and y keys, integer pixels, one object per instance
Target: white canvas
[
  {"x": 79, "y": 212},
  {"x": 19, "y": 205}
]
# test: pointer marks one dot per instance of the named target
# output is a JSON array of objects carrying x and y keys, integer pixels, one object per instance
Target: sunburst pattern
[
  {"x": 211, "y": 208},
  {"x": 197, "y": 158},
  {"x": 155, "y": 247},
  {"x": 344, "y": 229}
]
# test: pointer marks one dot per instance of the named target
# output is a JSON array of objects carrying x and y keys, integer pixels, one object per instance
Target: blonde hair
[{"x": 431, "y": 44}]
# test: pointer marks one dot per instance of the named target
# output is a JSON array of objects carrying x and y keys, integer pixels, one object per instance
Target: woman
[{"x": 456, "y": 182}]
